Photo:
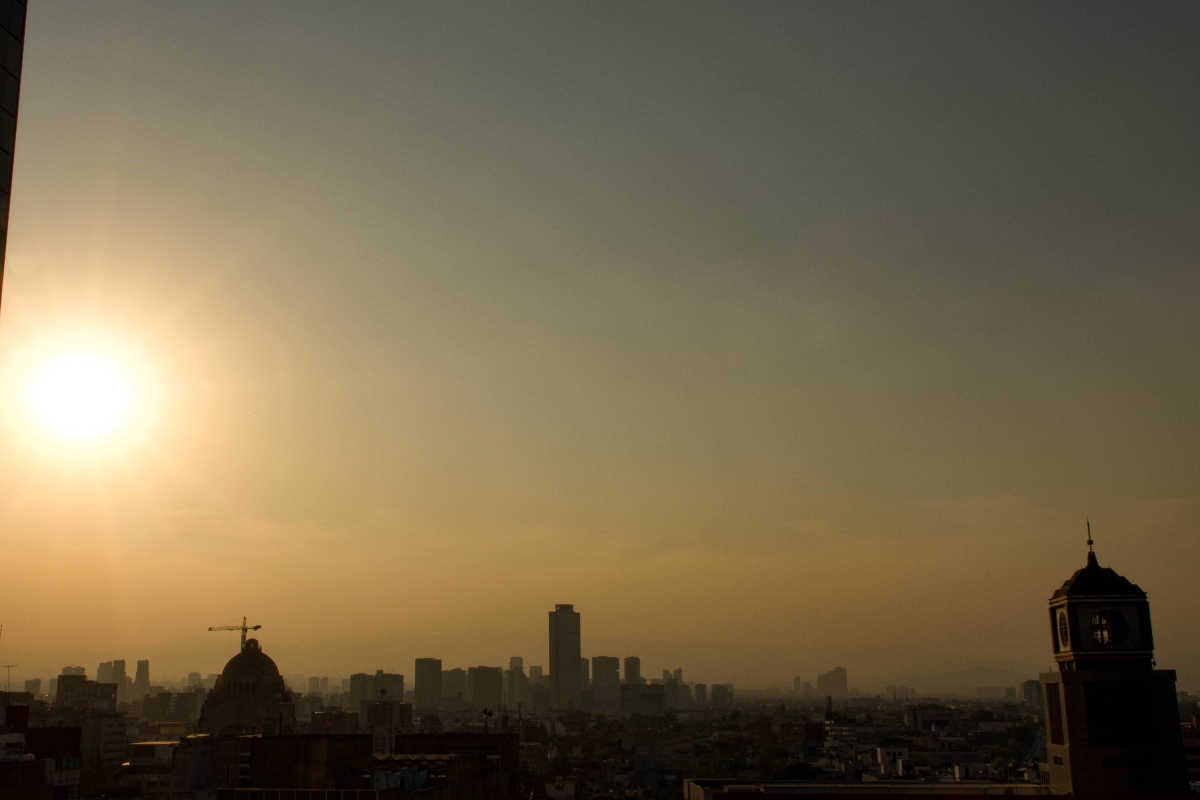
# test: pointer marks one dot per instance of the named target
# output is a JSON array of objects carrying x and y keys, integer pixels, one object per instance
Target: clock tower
[{"x": 1112, "y": 723}]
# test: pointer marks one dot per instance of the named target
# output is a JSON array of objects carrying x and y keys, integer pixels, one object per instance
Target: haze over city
[{"x": 772, "y": 337}]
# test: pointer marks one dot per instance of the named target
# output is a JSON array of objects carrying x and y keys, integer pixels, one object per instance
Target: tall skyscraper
[
  {"x": 428, "y": 688},
  {"x": 1112, "y": 721},
  {"x": 12, "y": 40},
  {"x": 585, "y": 674},
  {"x": 564, "y": 656},
  {"x": 633, "y": 670}
]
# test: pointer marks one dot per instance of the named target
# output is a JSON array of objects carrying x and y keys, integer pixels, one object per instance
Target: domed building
[{"x": 249, "y": 697}]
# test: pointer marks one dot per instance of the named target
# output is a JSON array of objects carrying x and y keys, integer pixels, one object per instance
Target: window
[{"x": 1109, "y": 628}]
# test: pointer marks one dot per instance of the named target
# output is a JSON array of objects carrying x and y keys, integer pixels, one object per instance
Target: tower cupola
[{"x": 1100, "y": 620}]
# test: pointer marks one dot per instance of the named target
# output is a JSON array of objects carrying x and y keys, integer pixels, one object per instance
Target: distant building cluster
[{"x": 1106, "y": 721}]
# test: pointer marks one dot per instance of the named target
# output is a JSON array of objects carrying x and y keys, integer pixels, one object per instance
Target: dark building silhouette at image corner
[
  {"x": 12, "y": 45},
  {"x": 1112, "y": 719}
]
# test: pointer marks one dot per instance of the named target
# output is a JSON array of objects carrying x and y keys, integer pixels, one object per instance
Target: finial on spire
[{"x": 1091, "y": 559}]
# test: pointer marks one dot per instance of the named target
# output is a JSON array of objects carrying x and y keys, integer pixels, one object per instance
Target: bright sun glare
[{"x": 80, "y": 396}]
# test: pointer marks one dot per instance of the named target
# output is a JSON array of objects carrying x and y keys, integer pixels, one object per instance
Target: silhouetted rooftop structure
[{"x": 1094, "y": 580}]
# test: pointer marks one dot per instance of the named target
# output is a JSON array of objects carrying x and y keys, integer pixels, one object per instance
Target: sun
[{"x": 80, "y": 396}]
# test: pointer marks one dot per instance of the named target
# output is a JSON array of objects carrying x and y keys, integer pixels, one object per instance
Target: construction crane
[{"x": 243, "y": 628}]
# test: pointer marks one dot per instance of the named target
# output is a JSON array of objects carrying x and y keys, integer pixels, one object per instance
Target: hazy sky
[{"x": 772, "y": 336}]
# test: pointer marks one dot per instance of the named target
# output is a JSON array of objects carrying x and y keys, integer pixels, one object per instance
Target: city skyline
[{"x": 772, "y": 341}]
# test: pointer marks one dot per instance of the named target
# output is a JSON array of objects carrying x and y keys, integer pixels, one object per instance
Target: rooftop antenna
[
  {"x": 8, "y": 681},
  {"x": 1091, "y": 559}
]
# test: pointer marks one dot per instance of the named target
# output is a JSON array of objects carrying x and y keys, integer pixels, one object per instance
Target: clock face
[
  {"x": 1064, "y": 630},
  {"x": 1109, "y": 628}
]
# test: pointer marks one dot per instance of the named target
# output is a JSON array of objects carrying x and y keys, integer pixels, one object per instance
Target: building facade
[
  {"x": 565, "y": 649},
  {"x": 633, "y": 670},
  {"x": 428, "y": 677}
]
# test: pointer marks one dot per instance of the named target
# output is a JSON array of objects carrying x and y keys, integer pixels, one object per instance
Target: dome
[
  {"x": 250, "y": 673},
  {"x": 1094, "y": 580},
  {"x": 250, "y": 696},
  {"x": 251, "y": 663}
]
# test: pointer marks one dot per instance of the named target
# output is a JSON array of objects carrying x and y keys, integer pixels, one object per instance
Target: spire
[{"x": 1091, "y": 559}]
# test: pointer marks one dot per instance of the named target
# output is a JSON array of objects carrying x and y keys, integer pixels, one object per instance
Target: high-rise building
[
  {"x": 834, "y": 683},
  {"x": 564, "y": 656},
  {"x": 678, "y": 674},
  {"x": 536, "y": 676},
  {"x": 104, "y": 672},
  {"x": 368, "y": 688},
  {"x": 454, "y": 684},
  {"x": 74, "y": 690},
  {"x": 141, "y": 680},
  {"x": 606, "y": 671},
  {"x": 633, "y": 670},
  {"x": 516, "y": 685},
  {"x": 122, "y": 680},
  {"x": 606, "y": 683},
  {"x": 428, "y": 680},
  {"x": 34, "y": 687},
  {"x": 722, "y": 694},
  {"x": 485, "y": 687},
  {"x": 12, "y": 39},
  {"x": 585, "y": 676},
  {"x": 701, "y": 694},
  {"x": 1112, "y": 721},
  {"x": 387, "y": 686}
]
